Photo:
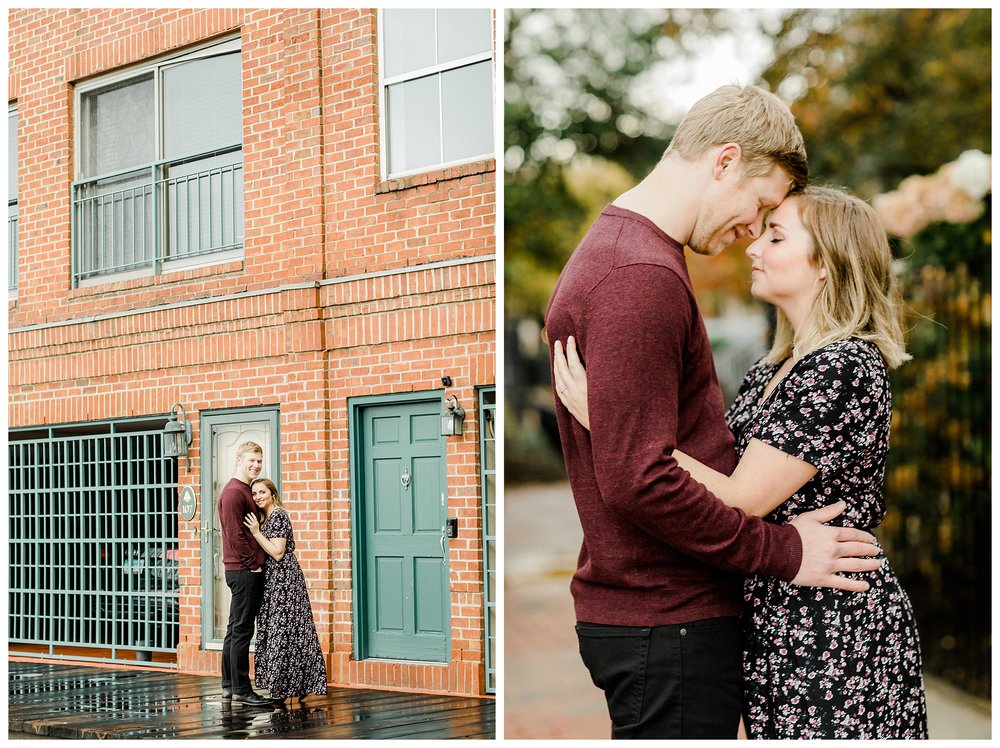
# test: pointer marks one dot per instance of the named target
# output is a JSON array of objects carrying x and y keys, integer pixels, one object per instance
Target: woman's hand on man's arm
[{"x": 571, "y": 380}]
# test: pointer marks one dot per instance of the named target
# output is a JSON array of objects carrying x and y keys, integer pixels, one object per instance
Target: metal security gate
[{"x": 93, "y": 543}]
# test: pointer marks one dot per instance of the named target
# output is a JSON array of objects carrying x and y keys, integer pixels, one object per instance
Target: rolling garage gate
[{"x": 93, "y": 543}]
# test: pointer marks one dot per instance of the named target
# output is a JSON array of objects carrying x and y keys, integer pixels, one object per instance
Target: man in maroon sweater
[
  {"x": 658, "y": 586},
  {"x": 243, "y": 559}
]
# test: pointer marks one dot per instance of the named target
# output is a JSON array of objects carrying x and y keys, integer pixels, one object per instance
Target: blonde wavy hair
[
  {"x": 757, "y": 120},
  {"x": 860, "y": 297}
]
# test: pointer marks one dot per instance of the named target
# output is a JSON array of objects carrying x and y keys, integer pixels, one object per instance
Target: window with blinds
[{"x": 159, "y": 165}]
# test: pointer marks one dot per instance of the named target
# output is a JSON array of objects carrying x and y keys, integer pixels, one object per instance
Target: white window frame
[
  {"x": 210, "y": 49},
  {"x": 383, "y": 99},
  {"x": 13, "y": 202}
]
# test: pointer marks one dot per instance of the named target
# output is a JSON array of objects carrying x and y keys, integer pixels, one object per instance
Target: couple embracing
[
  {"x": 728, "y": 581},
  {"x": 268, "y": 588}
]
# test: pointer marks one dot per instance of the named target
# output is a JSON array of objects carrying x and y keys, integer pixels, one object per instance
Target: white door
[{"x": 225, "y": 436}]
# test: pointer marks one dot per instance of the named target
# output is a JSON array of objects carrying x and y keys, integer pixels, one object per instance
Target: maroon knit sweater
[
  {"x": 658, "y": 548},
  {"x": 240, "y": 552}
]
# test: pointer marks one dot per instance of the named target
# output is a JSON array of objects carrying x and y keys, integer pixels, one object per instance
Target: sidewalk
[
  {"x": 74, "y": 701},
  {"x": 548, "y": 692}
]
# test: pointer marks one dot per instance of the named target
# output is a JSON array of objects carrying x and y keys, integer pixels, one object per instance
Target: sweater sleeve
[{"x": 638, "y": 321}]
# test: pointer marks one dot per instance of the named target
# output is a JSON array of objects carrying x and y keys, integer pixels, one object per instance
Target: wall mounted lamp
[
  {"x": 452, "y": 420},
  {"x": 177, "y": 434}
]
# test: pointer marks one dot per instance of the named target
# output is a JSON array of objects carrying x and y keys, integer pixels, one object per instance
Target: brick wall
[{"x": 349, "y": 286}]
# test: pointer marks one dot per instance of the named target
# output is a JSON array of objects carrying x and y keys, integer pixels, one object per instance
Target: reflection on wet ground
[{"x": 72, "y": 701}]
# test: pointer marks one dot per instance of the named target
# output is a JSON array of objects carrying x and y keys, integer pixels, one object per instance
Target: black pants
[
  {"x": 681, "y": 681},
  {"x": 248, "y": 593}
]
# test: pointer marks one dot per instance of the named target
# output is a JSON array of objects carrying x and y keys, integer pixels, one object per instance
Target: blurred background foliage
[{"x": 880, "y": 95}]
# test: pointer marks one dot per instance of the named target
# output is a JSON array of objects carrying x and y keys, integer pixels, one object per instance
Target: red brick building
[{"x": 274, "y": 224}]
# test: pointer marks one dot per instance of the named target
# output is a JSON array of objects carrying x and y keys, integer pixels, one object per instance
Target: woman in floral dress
[
  {"x": 288, "y": 661},
  {"x": 811, "y": 422}
]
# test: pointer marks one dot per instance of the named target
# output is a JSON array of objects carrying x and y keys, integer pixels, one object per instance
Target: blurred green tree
[
  {"x": 881, "y": 94},
  {"x": 570, "y": 82}
]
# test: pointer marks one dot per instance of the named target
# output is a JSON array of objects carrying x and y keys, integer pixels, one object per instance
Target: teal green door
[{"x": 405, "y": 552}]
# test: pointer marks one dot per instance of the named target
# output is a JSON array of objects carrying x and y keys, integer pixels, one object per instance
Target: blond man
[{"x": 243, "y": 559}]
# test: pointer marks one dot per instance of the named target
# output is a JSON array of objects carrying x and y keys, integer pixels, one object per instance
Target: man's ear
[{"x": 727, "y": 156}]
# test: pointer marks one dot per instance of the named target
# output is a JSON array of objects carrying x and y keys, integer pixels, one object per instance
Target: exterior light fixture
[
  {"x": 452, "y": 420},
  {"x": 177, "y": 434}
]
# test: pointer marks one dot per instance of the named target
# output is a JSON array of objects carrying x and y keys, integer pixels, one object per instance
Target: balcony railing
[
  {"x": 12, "y": 247},
  {"x": 170, "y": 210}
]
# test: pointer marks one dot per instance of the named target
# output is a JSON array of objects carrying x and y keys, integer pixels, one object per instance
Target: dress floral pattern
[
  {"x": 288, "y": 659},
  {"x": 821, "y": 662}
]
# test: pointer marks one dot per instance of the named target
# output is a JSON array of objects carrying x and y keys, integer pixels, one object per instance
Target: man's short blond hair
[
  {"x": 757, "y": 120},
  {"x": 249, "y": 448}
]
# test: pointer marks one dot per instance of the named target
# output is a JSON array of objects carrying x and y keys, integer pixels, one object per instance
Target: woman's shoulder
[
  {"x": 853, "y": 352},
  {"x": 278, "y": 514},
  {"x": 852, "y": 360},
  {"x": 749, "y": 390}
]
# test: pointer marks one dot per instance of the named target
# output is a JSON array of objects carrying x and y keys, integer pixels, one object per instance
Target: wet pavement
[
  {"x": 548, "y": 692},
  {"x": 72, "y": 701}
]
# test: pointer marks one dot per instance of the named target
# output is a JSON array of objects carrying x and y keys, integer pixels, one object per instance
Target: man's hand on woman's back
[{"x": 828, "y": 552}]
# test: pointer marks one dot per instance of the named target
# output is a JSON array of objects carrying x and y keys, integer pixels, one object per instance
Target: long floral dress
[
  {"x": 821, "y": 662},
  {"x": 288, "y": 660}
]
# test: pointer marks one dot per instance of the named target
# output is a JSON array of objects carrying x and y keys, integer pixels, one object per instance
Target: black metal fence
[{"x": 937, "y": 530}]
